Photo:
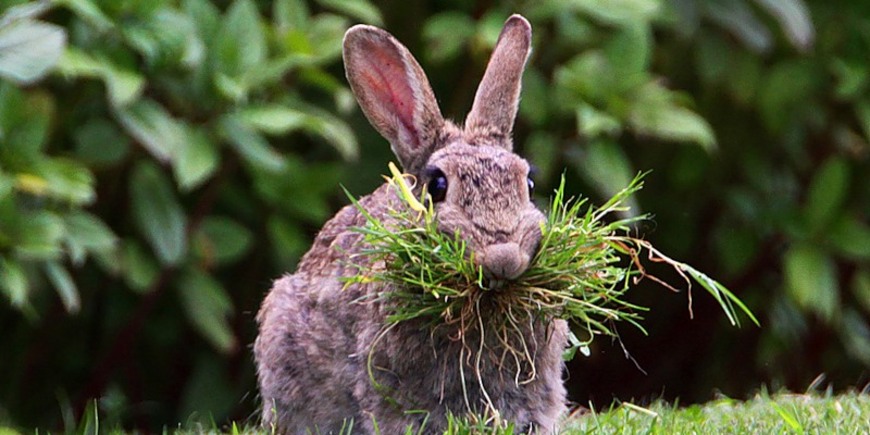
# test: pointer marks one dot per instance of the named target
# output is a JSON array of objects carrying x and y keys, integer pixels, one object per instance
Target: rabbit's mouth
[{"x": 496, "y": 284}]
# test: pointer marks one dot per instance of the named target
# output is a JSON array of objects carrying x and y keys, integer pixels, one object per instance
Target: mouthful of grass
[{"x": 587, "y": 261}]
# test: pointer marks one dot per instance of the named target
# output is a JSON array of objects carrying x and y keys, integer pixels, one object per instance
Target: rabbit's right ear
[
  {"x": 498, "y": 95},
  {"x": 394, "y": 94}
]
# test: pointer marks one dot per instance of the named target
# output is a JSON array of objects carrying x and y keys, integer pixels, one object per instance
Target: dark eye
[
  {"x": 437, "y": 186},
  {"x": 531, "y": 184}
]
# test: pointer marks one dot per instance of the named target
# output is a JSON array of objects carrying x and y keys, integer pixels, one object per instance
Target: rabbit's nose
[{"x": 504, "y": 261}]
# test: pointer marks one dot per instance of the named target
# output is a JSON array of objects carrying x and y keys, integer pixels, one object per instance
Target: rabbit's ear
[
  {"x": 394, "y": 93},
  {"x": 498, "y": 96}
]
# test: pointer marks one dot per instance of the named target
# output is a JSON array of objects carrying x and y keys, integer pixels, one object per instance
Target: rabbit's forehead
[{"x": 462, "y": 159}]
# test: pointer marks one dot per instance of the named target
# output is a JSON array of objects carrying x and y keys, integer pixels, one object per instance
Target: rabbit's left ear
[
  {"x": 394, "y": 94},
  {"x": 498, "y": 96}
]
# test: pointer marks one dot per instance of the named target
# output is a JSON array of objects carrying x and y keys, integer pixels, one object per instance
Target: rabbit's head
[{"x": 478, "y": 185}]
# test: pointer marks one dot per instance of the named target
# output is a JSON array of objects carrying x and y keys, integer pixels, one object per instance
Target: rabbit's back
[{"x": 306, "y": 349}]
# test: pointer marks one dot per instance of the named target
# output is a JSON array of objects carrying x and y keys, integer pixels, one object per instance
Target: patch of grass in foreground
[
  {"x": 783, "y": 413},
  {"x": 847, "y": 413}
]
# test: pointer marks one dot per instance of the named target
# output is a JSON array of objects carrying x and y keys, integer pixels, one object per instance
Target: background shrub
[{"x": 162, "y": 161}]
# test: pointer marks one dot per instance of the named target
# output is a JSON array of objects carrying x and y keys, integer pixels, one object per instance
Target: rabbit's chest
[{"x": 463, "y": 370}]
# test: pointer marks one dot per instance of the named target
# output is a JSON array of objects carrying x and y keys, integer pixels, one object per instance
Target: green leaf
[
  {"x": 77, "y": 63},
  {"x": 86, "y": 233},
  {"x": 251, "y": 145},
  {"x": 138, "y": 268},
  {"x": 28, "y": 123},
  {"x": 24, "y": 11},
  {"x": 744, "y": 77},
  {"x": 29, "y": 49},
  {"x": 167, "y": 38},
  {"x": 231, "y": 88},
  {"x": 13, "y": 281},
  {"x": 618, "y": 12},
  {"x": 363, "y": 10},
  {"x": 605, "y": 166},
  {"x": 542, "y": 149},
  {"x": 11, "y": 101},
  {"x": 852, "y": 78},
  {"x": 157, "y": 213},
  {"x": 591, "y": 79},
  {"x": 856, "y": 334},
  {"x": 709, "y": 62},
  {"x": 326, "y": 32},
  {"x": 861, "y": 287},
  {"x": 196, "y": 160},
  {"x": 221, "y": 240},
  {"x": 88, "y": 11},
  {"x": 738, "y": 18},
  {"x": 205, "y": 16},
  {"x": 787, "y": 90},
  {"x": 241, "y": 43},
  {"x": 446, "y": 34},
  {"x": 574, "y": 344},
  {"x": 628, "y": 53},
  {"x": 851, "y": 237},
  {"x": 811, "y": 281},
  {"x": 309, "y": 184},
  {"x": 592, "y": 123},
  {"x": 536, "y": 109},
  {"x": 67, "y": 180},
  {"x": 6, "y": 185},
  {"x": 862, "y": 111},
  {"x": 100, "y": 142},
  {"x": 207, "y": 306},
  {"x": 736, "y": 248},
  {"x": 65, "y": 286},
  {"x": 794, "y": 18},
  {"x": 290, "y": 14},
  {"x": 335, "y": 131},
  {"x": 40, "y": 235},
  {"x": 654, "y": 112},
  {"x": 272, "y": 119},
  {"x": 826, "y": 193},
  {"x": 287, "y": 240},
  {"x": 124, "y": 86},
  {"x": 151, "y": 126}
]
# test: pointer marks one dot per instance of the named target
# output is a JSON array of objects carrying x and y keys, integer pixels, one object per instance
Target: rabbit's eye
[
  {"x": 437, "y": 186},
  {"x": 531, "y": 184}
]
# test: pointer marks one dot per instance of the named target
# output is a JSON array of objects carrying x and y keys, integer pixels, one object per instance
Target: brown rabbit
[{"x": 324, "y": 353}]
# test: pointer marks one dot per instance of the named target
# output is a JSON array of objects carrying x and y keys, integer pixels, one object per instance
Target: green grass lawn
[
  {"x": 847, "y": 413},
  {"x": 783, "y": 413}
]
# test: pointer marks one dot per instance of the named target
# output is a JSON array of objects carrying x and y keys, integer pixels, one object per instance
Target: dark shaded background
[{"x": 182, "y": 154}]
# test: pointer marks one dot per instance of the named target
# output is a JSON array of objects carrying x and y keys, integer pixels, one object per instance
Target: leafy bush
[
  {"x": 162, "y": 161},
  {"x": 127, "y": 174}
]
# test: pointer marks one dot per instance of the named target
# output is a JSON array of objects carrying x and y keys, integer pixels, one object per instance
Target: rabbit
[{"x": 326, "y": 357}]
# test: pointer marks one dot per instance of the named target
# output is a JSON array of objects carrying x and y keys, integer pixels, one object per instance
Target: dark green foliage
[
  {"x": 133, "y": 134},
  {"x": 162, "y": 161}
]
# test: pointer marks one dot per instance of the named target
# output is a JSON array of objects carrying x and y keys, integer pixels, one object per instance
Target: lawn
[
  {"x": 783, "y": 413},
  {"x": 817, "y": 413}
]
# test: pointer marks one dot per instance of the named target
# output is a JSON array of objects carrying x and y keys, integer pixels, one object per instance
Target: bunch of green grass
[{"x": 587, "y": 261}]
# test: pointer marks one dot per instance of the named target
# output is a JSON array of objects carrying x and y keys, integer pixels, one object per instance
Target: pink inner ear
[{"x": 385, "y": 78}]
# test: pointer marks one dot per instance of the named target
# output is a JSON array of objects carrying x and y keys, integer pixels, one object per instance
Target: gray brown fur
[{"x": 316, "y": 338}]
